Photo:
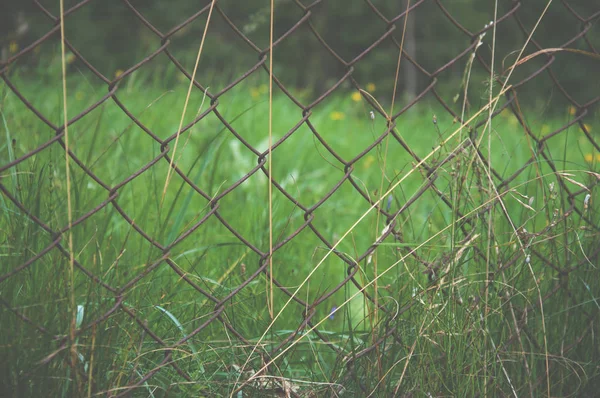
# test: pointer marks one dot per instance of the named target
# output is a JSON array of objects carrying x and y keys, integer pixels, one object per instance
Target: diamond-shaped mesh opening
[{"x": 327, "y": 25}]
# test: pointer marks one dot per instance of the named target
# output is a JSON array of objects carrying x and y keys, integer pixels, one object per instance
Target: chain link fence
[{"x": 207, "y": 338}]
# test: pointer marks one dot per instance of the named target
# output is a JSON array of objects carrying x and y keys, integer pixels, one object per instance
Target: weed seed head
[{"x": 586, "y": 201}]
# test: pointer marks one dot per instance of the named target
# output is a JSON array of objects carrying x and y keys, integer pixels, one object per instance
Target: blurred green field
[{"x": 456, "y": 337}]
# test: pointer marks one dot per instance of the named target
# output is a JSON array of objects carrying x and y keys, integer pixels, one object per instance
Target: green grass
[{"x": 453, "y": 336}]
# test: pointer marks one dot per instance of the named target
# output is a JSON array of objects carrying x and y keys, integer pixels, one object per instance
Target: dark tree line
[{"x": 110, "y": 35}]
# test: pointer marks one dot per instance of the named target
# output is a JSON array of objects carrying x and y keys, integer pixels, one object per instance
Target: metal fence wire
[{"x": 208, "y": 337}]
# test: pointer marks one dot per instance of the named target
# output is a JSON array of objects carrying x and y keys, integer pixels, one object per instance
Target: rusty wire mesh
[{"x": 118, "y": 303}]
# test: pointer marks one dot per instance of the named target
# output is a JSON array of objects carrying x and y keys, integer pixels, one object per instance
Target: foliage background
[{"x": 112, "y": 37}]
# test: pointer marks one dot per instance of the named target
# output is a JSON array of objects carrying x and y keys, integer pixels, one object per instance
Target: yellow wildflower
[
  {"x": 254, "y": 92},
  {"x": 588, "y": 157},
  {"x": 70, "y": 58},
  {"x": 118, "y": 72},
  {"x": 335, "y": 115},
  {"x": 587, "y": 127},
  {"x": 356, "y": 96},
  {"x": 598, "y": 157},
  {"x": 369, "y": 160},
  {"x": 545, "y": 129},
  {"x": 13, "y": 47},
  {"x": 370, "y": 87},
  {"x": 78, "y": 95},
  {"x": 572, "y": 110}
]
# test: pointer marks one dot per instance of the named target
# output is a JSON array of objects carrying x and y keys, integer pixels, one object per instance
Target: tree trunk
[{"x": 410, "y": 46}]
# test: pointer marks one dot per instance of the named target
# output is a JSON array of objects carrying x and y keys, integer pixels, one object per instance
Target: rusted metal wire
[{"x": 390, "y": 34}]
